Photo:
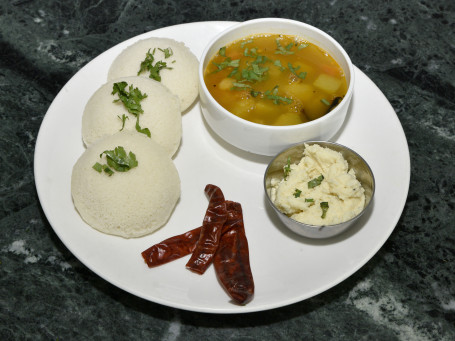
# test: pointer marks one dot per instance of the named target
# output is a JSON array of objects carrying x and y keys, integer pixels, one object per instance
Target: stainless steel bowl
[{"x": 295, "y": 153}]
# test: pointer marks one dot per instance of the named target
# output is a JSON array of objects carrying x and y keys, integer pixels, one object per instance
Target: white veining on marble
[
  {"x": 443, "y": 295},
  {"x": 370, "y": 24},
  {"x": 173, "y": 331},
  {"x": 55, "y": 52},
  {"x": 397, "y": 61},
  {"x": 387, "y": 310},
  {"x": 443, "y": 132},
  {"x": 433, "y": 65},
  {"x": 55, "y": 261},
  {"x": 18, "y": 247}
]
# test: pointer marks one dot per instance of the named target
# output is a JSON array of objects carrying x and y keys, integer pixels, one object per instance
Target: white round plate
[{"x": 286, "y": 268}]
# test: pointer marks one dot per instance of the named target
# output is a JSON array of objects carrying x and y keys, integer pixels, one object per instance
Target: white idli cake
[
  {"x": 180, "y": 73},
  {"x": 131, "y": 203},
  {"x": 105, "y": 114}
]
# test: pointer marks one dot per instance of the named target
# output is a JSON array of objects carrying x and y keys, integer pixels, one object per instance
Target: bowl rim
[
  {"x": 240, "y": 25},
  {"x": 305, "y": 225}
]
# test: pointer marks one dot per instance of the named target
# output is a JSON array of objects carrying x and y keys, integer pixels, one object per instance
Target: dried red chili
[
  {"x": 224, "y": 243},
  {"x": 174, "y": 247},
  {"x": 231, "y": 260},
  {"x": 171, "y": 248},
  {"x": 209, "y": 238}
]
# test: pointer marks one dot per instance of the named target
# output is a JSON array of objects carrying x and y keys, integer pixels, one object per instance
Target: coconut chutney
[{"x": 320, "y": 189}]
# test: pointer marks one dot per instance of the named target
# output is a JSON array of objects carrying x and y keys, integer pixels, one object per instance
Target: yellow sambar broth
[{"x": 275, "y": 79}]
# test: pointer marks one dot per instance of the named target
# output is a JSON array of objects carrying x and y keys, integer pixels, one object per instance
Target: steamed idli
[
  {"x": 102, "y": 116},
  {"x": 127, "y": 204},
  {"x": 182, "y": 79}
]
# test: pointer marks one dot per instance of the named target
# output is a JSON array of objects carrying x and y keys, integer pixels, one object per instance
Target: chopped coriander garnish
[
  {"x": 123, "y": 118},
  {"x": 98, "y": 167},
  {"x": 283, "y": 50},
  {"x": 273, "y": 95},
  {"x": 222, "y": 51},
  {"x": 316, "y": 181},
  {"x": 260, "y": 59},
  {"x": 131, "y": 98},
  {"x": 278, "y": 63},
  {"x": 324, "y": 206},
  {"x": 254, "y": 73},
  {"x": 254, "y": 93},
  {"x": 309, "y": 200},
  {"x": 227, "y": 63},
  {"x": 167, "y": 52},
  {"x": 326, "y": 102},
  {"x": 116, "y": 159},
  {"x": 250, "y": 52},
  {"x": 297, "y": 193},
  {"x": 154, "y": 69},
  {"x": 145, "y": 131},
  {"x": 287, "y": 168},
  {"x": 242, "y": 44},
  {"x": 107, "y": 170},
  {"x": 294, "y": 70},
  {"x": 119, "y": 160},
  {"x": 233, "y": 72},
  {"x": 240, "y": 86},
  {"x": 302, "y": 46}
]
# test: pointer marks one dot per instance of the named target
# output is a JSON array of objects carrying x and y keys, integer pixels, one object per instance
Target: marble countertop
[{"x": 405, "y": 292}]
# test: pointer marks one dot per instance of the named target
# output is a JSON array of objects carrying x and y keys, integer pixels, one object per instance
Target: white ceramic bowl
[{"x": 263, "y": 139}]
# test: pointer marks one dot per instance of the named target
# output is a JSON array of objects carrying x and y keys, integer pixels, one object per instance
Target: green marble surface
[{"x": 405, "y": 292}]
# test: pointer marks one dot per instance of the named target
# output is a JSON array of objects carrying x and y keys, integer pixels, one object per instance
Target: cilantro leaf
[
  {"x": 316, "y": 181},
  {"x": 116, "y": 159},
  {"x": 226, "y": 63},
  {"x": 297, "y": 193},
  {"x": 242, "y": 44},
  {"x": 283, "y": 50},
  {"x": 324, "y": 206},
  {"x": 326, "y": 102},
  {"x": 131, "y": 98},
  {"x": 273, "y": 95},
  {"x": 154, "y": 69},
  {"x": 278, "y": 64},
  {"x": 119, "y": 160},
  {"x": 145, "y": 131},
  {"x": 287, "y": 168},
  {"x": 167, "y": 52},
  {"x": 294, "y": 70},
  {"x": 98, "y": 167},
  {"x": 123, "y": 118},
  {"x": 240, "y": 86}
]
